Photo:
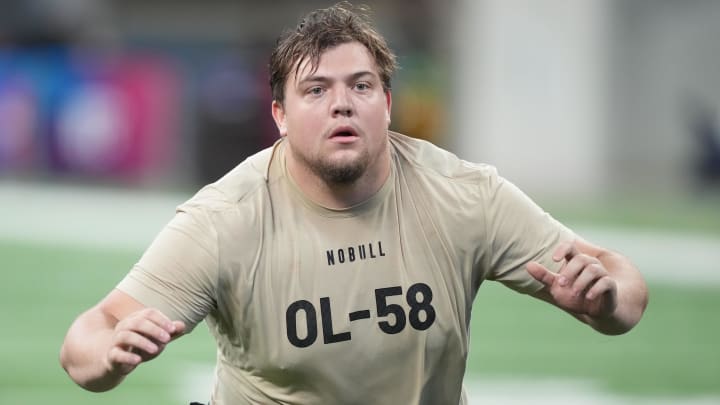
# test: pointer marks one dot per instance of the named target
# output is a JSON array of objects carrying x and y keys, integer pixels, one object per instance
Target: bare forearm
[{"x": 83, "y": 353}]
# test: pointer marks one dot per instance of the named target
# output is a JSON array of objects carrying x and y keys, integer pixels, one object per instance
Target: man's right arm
[{"x": 110, "y": 340}]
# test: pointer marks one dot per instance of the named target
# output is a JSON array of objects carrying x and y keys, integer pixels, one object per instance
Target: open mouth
[{"x": 343, "y": 133}]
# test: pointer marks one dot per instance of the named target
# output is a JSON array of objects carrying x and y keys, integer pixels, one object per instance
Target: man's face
[{"x": 336, "y": 118}]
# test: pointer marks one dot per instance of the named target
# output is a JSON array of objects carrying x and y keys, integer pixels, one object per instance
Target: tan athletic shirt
[{"x": 365, "y": 305}]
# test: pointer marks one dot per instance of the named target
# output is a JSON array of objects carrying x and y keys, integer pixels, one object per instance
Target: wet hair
[{"x": 321, "y": 30}]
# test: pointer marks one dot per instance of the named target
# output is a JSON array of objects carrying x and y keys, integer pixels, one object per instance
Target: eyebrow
[{"x": 326, "y": 79}]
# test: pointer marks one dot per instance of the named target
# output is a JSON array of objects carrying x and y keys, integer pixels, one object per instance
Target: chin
[{"x": 342, "y": 171}]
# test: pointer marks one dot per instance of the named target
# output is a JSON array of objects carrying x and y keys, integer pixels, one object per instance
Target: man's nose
[{"x": 342, "y": 104}]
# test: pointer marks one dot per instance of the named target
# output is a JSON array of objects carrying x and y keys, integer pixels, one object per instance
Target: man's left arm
[{"x": 601, "y": 288}]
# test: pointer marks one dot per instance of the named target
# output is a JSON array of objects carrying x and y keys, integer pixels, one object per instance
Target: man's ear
[
  {"x": 278, "y": 113},
  {"x": 388, "y": 100}
]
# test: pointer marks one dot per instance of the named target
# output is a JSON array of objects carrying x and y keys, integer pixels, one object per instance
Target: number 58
[{"x": 417, "y": 306}]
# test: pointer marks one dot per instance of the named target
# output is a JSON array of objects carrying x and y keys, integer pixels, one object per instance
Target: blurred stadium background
[{"x": 605, "y": 112}]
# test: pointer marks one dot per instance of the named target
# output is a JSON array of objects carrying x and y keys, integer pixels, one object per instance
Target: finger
[
  {"x": 117, "y": 356},
  {"x": 146, "y": 328},
  {"x": 150, "y": 323},
  {"x": 602, "y": 286},
  {"x": 130, "y": 340},
  {"x": 541, "y": 273},
  {"x": 565, "y": 250},
  {"x": 159, "y": 319},
  {"x": 587, "y": 277},
  {"x": 179, "y": 329},
  {"x": 570, "y": 271}
]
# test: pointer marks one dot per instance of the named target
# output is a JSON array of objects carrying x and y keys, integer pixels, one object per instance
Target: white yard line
[
  {"x": 677, "y": 257},
  {"x": 129, "y": 219},
  {"x": 547, "y": 391},
  {"x": 195, "y": 385},
  {"x": 103, "y": 218}
]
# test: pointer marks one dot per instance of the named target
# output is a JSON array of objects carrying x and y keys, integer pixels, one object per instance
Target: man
[{"x": 340, "y": 265}]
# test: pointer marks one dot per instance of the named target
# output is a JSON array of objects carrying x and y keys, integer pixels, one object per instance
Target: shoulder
[
  {"x": 239, "y": 184},
  {"x": 430, "y": 160}
]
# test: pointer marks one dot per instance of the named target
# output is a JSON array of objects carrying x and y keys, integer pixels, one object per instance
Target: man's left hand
[{"x": 581, "y": 286}]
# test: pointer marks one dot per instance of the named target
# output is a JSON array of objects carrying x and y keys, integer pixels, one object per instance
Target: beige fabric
[{"x": 278, "y": 278}]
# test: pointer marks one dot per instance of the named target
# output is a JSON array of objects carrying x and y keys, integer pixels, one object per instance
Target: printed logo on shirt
[{"x": 351, "y": 254}]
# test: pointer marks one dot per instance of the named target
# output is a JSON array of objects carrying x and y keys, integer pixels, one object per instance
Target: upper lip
[{"x": 343, "y": 129}]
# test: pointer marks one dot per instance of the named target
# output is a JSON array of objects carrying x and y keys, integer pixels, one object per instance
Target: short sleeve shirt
[{"x": 369, "y": 304}]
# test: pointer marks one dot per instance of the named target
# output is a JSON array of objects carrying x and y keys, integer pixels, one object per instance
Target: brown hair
[{"x": 323, "y": 29}]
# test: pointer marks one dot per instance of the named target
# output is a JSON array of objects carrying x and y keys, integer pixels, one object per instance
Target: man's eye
[
  {"x": 362, "y": 86},
  {"x": 316, "y": 91}
]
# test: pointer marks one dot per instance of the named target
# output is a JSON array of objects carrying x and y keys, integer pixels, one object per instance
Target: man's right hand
[
  {"x": 139, "y": 337},
  {"x": 107, "y": 342}
]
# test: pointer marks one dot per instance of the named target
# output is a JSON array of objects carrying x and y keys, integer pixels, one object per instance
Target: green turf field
[
  {"x": 44, "y": 289},
  {"x": 673, "y": 352}
]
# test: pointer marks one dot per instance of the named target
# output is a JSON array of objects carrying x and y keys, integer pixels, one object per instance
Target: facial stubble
[{"x": 339, "y": 173}]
